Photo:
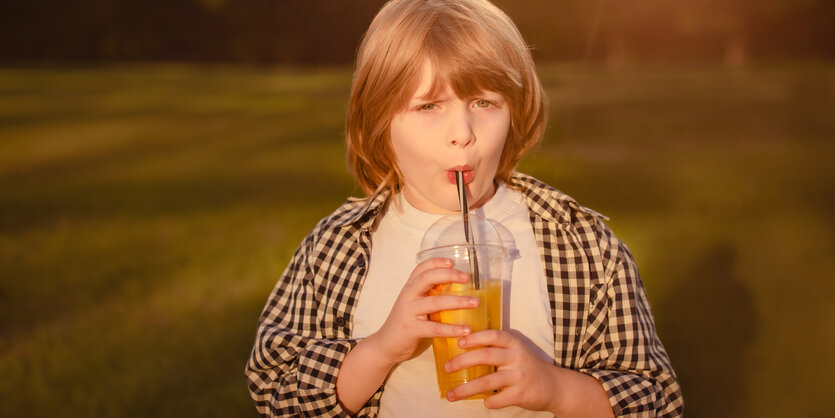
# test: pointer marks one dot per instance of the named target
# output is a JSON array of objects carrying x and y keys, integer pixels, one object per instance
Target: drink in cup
[
  {"x": 487, "y": 257},
  {"x": 486, "y": 316}
]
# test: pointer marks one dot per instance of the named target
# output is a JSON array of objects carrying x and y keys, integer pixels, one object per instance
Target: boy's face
[{"x": 435, "y": 136}]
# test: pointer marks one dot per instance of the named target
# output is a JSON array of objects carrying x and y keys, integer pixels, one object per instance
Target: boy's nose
[{"x": 461, "y": 131}]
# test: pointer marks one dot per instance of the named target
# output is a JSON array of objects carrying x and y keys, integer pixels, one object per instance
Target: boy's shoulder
[
  {"x": 356, "y": 212},
  {"x": 547, "y": 202},
  {"x": 554, "y": 207}
]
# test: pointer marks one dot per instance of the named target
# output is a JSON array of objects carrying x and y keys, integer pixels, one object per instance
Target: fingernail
[
  {"x": 473, "y": 301},
  {"x": 465, "y": 276},
  {"x": 461, "y": 342}
]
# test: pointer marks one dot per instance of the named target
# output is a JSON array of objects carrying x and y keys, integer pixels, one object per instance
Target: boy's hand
[
  {"x": 524, "y": 378},
  {"x": 408, "y": 322}
]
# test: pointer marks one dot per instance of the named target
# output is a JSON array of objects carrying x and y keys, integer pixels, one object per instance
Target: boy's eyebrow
[
  {"x": 445, "y": 97},
  {"x": 426, "y": 97},
  {"x": 431, "y": 97}
]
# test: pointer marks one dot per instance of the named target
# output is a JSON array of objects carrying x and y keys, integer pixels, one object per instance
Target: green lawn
[{"x": 146, "y": 212}]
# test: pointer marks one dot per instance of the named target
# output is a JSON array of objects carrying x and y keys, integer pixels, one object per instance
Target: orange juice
[{"x": 488, "y": 315}]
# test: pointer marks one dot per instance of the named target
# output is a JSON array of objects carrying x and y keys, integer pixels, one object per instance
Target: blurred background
[{"x": 161, "y": 160}]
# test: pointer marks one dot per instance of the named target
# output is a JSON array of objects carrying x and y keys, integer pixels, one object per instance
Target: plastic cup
[{"x": 490, "y": 256}]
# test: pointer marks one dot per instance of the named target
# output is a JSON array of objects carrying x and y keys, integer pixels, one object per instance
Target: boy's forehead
[
  {"x": 426, "y": 82},
  {"x": 431, "y": 83}
]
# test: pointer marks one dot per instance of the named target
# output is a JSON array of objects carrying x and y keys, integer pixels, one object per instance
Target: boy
[{"x": 444, "y": 86}]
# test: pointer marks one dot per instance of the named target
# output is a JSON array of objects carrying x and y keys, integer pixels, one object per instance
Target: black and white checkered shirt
[{"x": 603, "y": 324}]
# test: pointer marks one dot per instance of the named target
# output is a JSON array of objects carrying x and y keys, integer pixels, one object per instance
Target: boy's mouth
[{"x": 467, "y": 170}]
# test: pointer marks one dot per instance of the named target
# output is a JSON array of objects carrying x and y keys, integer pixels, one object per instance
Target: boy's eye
[
  {"x": 428, "y": 106},
  {"x": 482, "y": 103}
]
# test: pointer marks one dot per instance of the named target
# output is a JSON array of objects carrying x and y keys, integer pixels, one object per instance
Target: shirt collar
[
  {"x": 543, "y": 200},
  {"x": 548, "y": 202},
  {"x": 366, "y": 210}
]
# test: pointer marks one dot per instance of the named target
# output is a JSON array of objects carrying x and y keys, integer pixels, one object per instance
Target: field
[{"x": 147, "y": 210}]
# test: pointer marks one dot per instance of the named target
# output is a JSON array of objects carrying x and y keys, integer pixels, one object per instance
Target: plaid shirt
[{"x": 603, "y": 324}]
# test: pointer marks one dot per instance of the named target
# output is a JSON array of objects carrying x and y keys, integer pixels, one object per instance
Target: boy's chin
[
  {"x": 440, "y": 204},
  {"x": 444, "y": 207}
]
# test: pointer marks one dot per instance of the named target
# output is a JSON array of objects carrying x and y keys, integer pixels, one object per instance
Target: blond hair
[{"x": 472, "y": 46}]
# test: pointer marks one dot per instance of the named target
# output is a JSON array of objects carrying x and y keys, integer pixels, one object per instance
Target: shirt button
[
  {"x": 361, "y": 262},
  {"x": 340, "y": 321}
]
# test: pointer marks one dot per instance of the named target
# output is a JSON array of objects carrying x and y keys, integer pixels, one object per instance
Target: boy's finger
[
  {"x": 420, "y": 283},
  {"x": 489, "y": 337},
  {"x": 432, "y": 263},
  {"x": 431, "y": 329},
  {"x": 432, "y": 304},
  {"x": 486, "y": 356},
  {"x": 504, "y": 398},
  {"x": 486, "y": 383}
]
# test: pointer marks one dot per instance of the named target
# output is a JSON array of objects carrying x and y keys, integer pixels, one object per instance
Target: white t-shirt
[{"x": 412, "y": 389}]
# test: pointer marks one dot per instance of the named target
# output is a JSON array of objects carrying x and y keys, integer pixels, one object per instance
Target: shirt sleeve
[
  {"x": 628, "y": 357},
  {"x": 292, "y": 370}
]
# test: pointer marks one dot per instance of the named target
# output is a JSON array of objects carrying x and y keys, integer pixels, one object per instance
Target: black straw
[{"x": 468, "y": 236}]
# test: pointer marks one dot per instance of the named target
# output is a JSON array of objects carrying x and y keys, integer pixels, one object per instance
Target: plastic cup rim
[{"x": 421, "y": 254}]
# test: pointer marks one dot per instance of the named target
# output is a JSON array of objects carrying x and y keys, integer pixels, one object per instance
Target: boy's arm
[
  {"x": 628, "y": 358},
  {"x": 407, "y": 325},
  {"x": 362, "y": 374},
  {"x": 292, "y": 370},
  {"x": 580, "y": 395}
]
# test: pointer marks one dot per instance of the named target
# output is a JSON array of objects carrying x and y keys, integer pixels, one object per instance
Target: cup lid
[{"x": 449, "y": 231}]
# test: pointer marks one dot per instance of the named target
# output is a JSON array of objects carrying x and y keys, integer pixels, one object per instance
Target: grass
[{"x": 146, "y": 212}]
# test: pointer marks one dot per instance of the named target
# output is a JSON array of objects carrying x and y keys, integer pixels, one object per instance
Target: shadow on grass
[{"x": 708, "y": 321}]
